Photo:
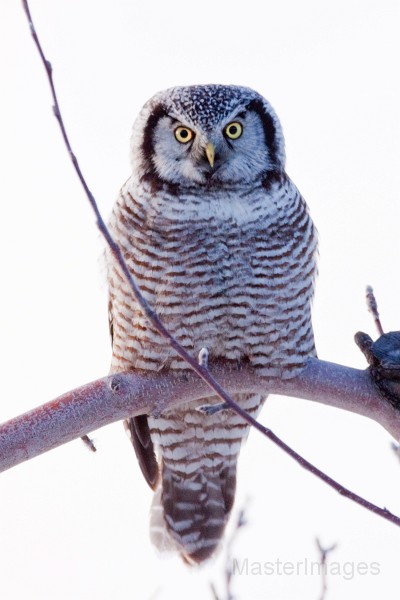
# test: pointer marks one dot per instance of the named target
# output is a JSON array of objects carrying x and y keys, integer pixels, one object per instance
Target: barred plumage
[{"x": 223, "y": 248}]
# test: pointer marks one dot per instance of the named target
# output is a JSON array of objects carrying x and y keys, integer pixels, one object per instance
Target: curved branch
[
  {"x": 123, "y": 395},
  {"x": 127, "y": 394}
]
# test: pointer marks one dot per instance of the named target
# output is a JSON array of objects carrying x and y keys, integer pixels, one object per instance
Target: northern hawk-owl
[{"x": 223, "y": 248}]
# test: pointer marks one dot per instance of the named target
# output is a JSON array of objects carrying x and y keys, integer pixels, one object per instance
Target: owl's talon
[
  {"x": 203, "y": 357},
  {"x": 156, "y": 413},
  {"x": 159, "y": 408},
  {"x": 211, "y": 409}
]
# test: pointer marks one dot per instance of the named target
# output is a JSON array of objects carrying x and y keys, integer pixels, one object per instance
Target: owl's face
[
  {"x": 210, "y": 135},
  {"x": 232, "y": 150}
]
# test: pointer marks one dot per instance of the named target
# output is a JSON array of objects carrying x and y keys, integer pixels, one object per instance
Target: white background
[{"x": 74, "y": 525}]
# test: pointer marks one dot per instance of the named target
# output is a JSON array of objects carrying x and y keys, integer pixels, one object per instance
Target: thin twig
[
  {"x": 323, "y": 555},
  {"x": 151, "y": 315},
  {"x": 229, "y": 571},
  {"x": 240, "y": 522},
  {"x": 89, "y": 443},
  {"x": 214, "y": 592},
  {"x": 373, "y": 308}
]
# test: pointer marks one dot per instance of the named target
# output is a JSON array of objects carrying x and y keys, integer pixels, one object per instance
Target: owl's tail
[
  {"x": 194, "y": 496},
  {"x": 190, "y": 514}
]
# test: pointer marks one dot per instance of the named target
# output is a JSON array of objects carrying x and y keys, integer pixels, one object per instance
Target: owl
[{"x": 223, "y": 248}]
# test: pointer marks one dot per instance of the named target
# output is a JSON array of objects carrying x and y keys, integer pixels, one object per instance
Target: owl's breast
[
  {"x": 208, "y": 291},
  {"x": 233, "y": 274}
]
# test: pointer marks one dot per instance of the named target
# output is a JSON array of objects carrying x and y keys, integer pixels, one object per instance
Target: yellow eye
[
  {"x": 234, "y": 130},
  {"x": 184, "y": 134}
]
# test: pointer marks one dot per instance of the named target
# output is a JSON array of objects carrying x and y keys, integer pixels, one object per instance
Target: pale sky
[{"x": 75, "y": 525}]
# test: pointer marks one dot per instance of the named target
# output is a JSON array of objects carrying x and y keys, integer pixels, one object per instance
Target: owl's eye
[
  {"x": 234, "y": 130},
  {"x": 184, "y": 134}
]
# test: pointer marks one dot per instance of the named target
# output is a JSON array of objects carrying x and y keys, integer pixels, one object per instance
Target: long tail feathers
[{"x": 190, "y": 514}]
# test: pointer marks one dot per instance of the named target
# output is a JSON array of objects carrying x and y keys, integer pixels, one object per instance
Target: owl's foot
[
  {"x": 203, "y": 357},
  {"x": 211, "y": 409}
]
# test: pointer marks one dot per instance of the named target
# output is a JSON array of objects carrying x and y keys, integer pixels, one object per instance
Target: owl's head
[{"x": 207, "y": 135}]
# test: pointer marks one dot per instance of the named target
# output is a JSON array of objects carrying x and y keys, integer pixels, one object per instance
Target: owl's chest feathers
[
  {"x": 209, "y": 242},
  {"x": 232, "y": 272},
  {"x": 212, "y": 254}
]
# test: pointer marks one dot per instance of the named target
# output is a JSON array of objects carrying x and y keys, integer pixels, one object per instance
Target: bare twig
[
  {"x": 240, "y": 522},
  {"x": 229, "y": 572},
  {"x": 113, "y": 386},
  {"x": 214, "y": 592},
  {"x": 89, "y": 443},
  {"x": 323, "y": 555},
  {"x": 373, "y": 308}
]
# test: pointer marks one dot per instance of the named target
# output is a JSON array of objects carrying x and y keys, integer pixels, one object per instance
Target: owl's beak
[{"x": 210, "y": 153}]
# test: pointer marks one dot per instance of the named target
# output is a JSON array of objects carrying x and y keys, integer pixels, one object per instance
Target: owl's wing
[{"x": 139, "y": 433}]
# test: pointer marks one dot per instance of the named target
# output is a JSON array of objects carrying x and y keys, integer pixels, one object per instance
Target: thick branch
[{"x": 119, "y": 396}]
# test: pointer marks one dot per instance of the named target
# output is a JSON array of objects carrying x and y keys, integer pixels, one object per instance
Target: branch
[{"x": 124, "y": 395}]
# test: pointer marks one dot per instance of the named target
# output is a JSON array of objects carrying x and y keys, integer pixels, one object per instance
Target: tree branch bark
[{"x": 119, "y": 396}]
